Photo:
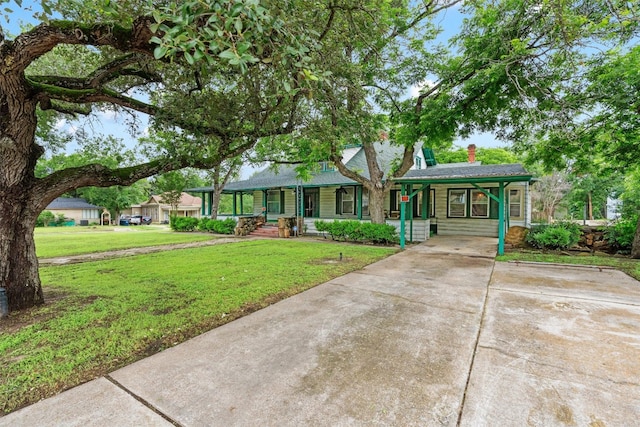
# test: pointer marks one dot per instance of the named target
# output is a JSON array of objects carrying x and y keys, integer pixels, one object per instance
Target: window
[
  {"x": 327, "y": 167},
  {"x": 348, "y": 201},
  {"x": 345, "y": 200},
  {"x": 418, "y": 162},
  {"x": 479, "y": 204},
  {"x": 515, "y": 203},
  {"x": 273, "y": 201},
  {"x": 90, "y": 214},
  {"x": 457, "y": 203},
  {"x": 432, "y": 203},
  {"x": 365, "y": 201},
  {"x": 394, "y": 200}
]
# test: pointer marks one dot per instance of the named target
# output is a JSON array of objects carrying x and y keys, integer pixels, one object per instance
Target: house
[
  {"x": 446, "y": 199},
  {"x": 159, "y": 210},
  {"x": 78, "y": 210}
]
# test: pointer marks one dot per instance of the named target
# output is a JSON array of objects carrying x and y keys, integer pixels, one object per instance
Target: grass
[
  {"x": 53, "y": 241},
  {"x": 627, "y": 265},
  {"x": 103, "y": 315}
]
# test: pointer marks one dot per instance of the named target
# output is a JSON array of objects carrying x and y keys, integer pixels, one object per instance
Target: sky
[{"x": 111, "y": 123}]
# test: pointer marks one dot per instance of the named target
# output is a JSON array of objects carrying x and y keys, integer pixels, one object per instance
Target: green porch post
[
  {"x": 501, "y": 218},
  {"x": 210, "y": 209},
  {"x": 360, "y": 190},
  {"x": 203, "y": 212},
  {"x": 403, "y": 192},
  {"x": 264, "y": 204},
  {"x": 411, "y": 202},
  {"x": 241, "y": 203},
  {"x": 235, "y": 207}
]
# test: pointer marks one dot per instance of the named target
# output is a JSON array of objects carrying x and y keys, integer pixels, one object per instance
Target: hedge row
[
  {"x": 226, "y": 226},
  {"x": 219, "y": 226},
  {"x": 357, "y": 231}
]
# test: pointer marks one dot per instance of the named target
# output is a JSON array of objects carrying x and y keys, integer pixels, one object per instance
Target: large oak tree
[{"x": 134, "y": 53}]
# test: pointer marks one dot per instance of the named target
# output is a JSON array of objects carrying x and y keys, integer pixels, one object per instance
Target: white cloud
[
  {"x": 61, "y": 123},
  {"x": 414, "y": 90}
]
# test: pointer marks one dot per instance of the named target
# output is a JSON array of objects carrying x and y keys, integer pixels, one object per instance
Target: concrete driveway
[{"x": 436, "y": 335}]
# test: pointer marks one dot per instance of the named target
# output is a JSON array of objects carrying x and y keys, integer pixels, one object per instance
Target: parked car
[
  {"x": 140, "y": 220},
  {"x": 124, "y": 220}
]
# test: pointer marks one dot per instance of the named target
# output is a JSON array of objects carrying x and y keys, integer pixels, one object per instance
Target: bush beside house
[{"x": 357, "y": 231}]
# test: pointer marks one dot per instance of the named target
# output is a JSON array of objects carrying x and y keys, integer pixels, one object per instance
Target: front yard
[
  {"x": 66, "y": 241},
  {"x": 100, "y": 316}
]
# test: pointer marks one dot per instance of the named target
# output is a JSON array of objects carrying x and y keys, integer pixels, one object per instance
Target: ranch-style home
[
  {"x": 78, "y": 211},
  {"x": 445, "y": 199}
]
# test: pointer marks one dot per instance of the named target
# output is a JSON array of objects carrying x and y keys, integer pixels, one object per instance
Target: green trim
[
  {"x": 429, "y": 156},
  {"x": 494, "y": 179},
  {"x": 501, "y": 219},
  {"x": 403, "y": 192}
]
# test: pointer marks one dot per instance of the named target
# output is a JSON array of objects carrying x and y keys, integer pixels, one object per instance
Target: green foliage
[
  {"x": 620, "y": 235},
  {"x": 357, "y": 231},
  {"x": 183, "y": 223},
  {"x": 488, "y": 156},
  {"x": 560, "y": 235},
  {"x": 45, "y": 219},
  {"x": 219, "y": 226}
]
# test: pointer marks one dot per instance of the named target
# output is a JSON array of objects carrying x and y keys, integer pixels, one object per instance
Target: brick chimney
[{"x": 471, "y": 150}]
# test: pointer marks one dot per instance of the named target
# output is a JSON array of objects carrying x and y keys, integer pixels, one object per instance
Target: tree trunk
[
  {"x": 589, "y": 206},
  {"x": 18, "y": 261},
  {"x": 215, "y": 202},
  {"x": 376, "y": 205},
  {"x": 635, "y": 248}
]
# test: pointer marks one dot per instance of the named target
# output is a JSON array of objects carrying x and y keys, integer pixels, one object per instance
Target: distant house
[
  {"x": 76, "y": 209},
  {"x": 159, "y": 211},
  {"x": 446, "y": 199}
]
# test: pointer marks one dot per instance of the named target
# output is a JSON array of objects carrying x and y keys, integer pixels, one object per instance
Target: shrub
[
  {"x": 181, "y": 223},
  {"x": 219, "y": 226},
  {"x": 45, "y": 218},
  {"x": 560, "y": 235},
  {"x": 357, "y": 231},
  {"x": 620, "y": 235}
]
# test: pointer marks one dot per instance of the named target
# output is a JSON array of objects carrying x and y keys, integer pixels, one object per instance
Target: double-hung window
[
  {"x": 479, "y": 204},
  {"x": 345, "y": 200},
  {"x": 457, "y": 203},
  {"x": 515, "y": 203}
]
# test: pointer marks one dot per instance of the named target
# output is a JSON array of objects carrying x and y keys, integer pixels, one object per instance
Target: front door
[{"x": 311, "y": 202}]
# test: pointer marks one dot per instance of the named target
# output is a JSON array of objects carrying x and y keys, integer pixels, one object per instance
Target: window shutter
[
  {"x": 281, "y": 201},
  {"x": 493, "y": 205},
  {"x": 338, "y": 202}
]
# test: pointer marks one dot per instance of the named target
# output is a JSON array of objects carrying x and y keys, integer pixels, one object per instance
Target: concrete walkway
[{"x": 435, "y": 335}]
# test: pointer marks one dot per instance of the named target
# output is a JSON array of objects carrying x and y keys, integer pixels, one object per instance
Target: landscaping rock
[{"x": 516, "y": 235}]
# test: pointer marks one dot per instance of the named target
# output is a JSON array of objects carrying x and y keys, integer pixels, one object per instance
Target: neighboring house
[
  {"x": 160, "y": 211},
  {"x": 76, "y": 209},
  {"x": 444, "y": 199}
]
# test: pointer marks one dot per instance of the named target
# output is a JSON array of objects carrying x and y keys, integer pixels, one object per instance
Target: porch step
[{"x": 266, "y": 230}]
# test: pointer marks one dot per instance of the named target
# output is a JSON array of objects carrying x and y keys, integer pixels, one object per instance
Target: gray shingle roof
[
  {"x": 287, "y": 177},
  {"x": 71, "y": 203},
  {"x": 467, "y": 171}
]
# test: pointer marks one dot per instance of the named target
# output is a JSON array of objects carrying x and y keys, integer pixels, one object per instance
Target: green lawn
[
  {"x": 103, "y": 315},
  {"x": 65, "y": 241},
  {"x": 629, "y": 266}
]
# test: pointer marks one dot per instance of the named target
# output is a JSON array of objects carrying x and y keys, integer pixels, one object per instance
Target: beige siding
[
  {"x": 473, "y": 226},
  {"x": 77, "y": 214}
]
